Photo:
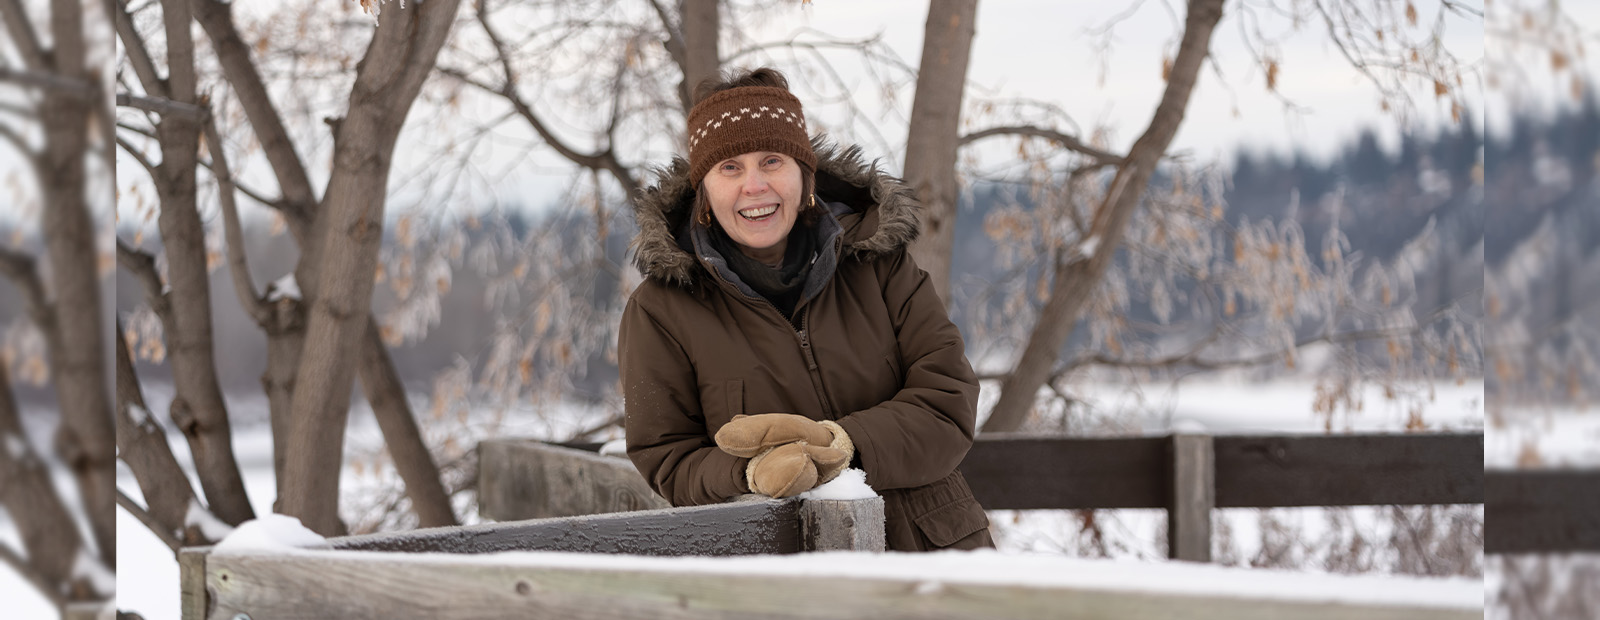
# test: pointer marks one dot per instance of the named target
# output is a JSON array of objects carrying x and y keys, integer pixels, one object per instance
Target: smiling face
[{"x": 756, "y": 197}]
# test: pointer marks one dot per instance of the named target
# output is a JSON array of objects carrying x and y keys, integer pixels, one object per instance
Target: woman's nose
[{"x": 755, "y": 182}]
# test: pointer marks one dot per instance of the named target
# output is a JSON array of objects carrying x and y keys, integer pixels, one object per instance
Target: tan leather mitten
[
  {"x": 748, "y": 435},
  {"x": 841, "y": 442},
  {"x": 791, "y": 469}
]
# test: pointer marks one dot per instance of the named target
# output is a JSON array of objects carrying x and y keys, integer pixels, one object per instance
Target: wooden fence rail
[
  {"x": 1541, "y": 511},
  {"x": 402, "y": 586},
  {"x": 1525, "y": 511},
  {"x": 1188, "y": 475},
  {"x": 764, "y": 526}
]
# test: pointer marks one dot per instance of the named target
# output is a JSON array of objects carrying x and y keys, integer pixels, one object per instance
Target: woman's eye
[
  {"x": 729, "y": 167},
  {"x": 773, "y": 161}
]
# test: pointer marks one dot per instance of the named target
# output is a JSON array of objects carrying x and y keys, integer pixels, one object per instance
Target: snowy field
[{"x": 148, "y": 580}]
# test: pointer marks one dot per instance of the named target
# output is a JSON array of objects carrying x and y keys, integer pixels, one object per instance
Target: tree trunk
[
  {"x": 286, "y": 329},
  {"x": 143, "y": 446},
  {"x": 701, "y": 27},
  {"x": 86, "y": 440},
  {"x": 1077, "y": 278},
  {"x": 350, "y": 223},
  {"x": 198, "y": 407},
  {"x": 931, "y": 144},
  {"x": 47, "y": 530}
]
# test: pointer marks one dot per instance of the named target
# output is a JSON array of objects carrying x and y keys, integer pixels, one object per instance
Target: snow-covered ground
[{"x": 1561, "y": 437}]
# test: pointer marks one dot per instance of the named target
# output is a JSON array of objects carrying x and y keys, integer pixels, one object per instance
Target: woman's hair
[{"x": 737, "y": 78}]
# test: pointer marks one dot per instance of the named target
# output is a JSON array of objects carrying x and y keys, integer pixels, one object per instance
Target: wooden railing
[
  {"x": 1188, "y": 475},
  {"x": 388, "y": 575},
  {"x": 1541, "y": 511},
  {"x": 274, "y": 584}
]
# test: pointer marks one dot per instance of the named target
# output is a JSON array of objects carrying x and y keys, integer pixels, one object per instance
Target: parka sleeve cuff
[
  {"x": 733, "y": 482},
  {"x": 865, "y": 453}
]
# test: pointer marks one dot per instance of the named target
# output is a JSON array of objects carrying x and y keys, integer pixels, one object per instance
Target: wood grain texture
[
  {"x": 393, "y": 587},
  {"x": 770, "y": 526},
  {"x": 1541, "y": 511},
  {"x": 842, "y": 525},
  {"x": 1349, "y": 470},
  {"x": 1017, "y": 472},
  {"x": 196, "y": 602},
  {"x": 527, "y": 479},
  {"x": 1192, "y": 498}
]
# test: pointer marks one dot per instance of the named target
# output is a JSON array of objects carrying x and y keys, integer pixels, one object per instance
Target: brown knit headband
[{"x": 745, "y": 120}]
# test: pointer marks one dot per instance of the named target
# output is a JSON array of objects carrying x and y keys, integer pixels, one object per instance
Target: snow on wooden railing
[
  {"x": 760, "y": 526},
  {"x": 257, "y": 585}
]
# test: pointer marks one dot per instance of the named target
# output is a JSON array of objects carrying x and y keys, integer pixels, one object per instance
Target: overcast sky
[{"x": 1044, "y": 49}]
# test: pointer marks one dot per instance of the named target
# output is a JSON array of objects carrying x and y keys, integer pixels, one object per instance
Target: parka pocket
[{"x": 948, "y": 524}]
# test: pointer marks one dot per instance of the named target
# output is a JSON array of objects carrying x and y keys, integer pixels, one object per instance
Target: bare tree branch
[
  {"x": 604, "y": 160},
  {"x": 51, "y": 81},
  {"x": 143, "y": 131},
  {"x": 39, "y": 583},
  {"x": 234, "y": 56},
  {"x": 161, "y": 105},
  {"x": 138, "y": 54},
  {"x": 674, "y": 42},
  {"x": 23, "y": 36},
  {"x": 149, "y": 522},
  {"x": 19, "y": 268},
  {"x": 1076, "y": 275},
  {"x": 1071, "y": 143},
  {"x": 133, "y": 150},
  {"x": 237, "y": 265},
  {"x": 20, "y": 143}
]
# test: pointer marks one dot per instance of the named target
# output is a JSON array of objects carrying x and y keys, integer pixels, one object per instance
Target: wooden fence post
[
  {"x": 1192, "y": 496},
  {"x": 842, "y": 525},
  {"x": 195, "y": 603},
  {"x": 528, "y": 479}
]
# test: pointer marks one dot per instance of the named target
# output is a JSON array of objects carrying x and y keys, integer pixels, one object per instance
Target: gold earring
[
  {"x": 813, "y": 200},
  {"x": 705, "y": 218}
]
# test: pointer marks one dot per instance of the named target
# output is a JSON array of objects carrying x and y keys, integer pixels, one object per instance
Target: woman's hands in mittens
[
  {"x": 749, "y": 435},
  {"x": 793, "y": 468}
]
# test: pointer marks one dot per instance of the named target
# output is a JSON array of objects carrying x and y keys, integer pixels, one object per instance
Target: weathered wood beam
[
  {"x": 1541, "y": 511},
  {"x": 528, "y": 479},
  {"x": 397, "y": 586}
]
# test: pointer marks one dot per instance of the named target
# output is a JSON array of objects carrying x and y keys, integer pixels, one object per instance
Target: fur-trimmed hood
[{"x": 884, "y": 217}]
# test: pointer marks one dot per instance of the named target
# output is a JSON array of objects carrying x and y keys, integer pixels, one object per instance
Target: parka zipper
[{"x": 802, "y": 336}]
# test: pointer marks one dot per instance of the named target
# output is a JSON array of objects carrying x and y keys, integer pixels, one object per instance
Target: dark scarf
[{"x": 782, "y": 286}]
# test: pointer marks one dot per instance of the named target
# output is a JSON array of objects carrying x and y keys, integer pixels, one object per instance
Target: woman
[{"x": 778, "y": 284}]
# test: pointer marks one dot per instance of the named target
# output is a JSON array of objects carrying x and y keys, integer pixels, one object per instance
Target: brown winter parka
[{"x": 870, "y": 347}]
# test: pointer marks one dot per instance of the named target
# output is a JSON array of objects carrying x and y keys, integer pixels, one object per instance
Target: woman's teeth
[{"x": 760, "y": 213}]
